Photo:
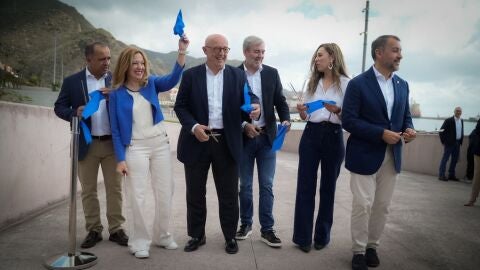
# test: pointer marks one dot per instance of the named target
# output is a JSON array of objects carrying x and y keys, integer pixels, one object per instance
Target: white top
[
  {"x": 100, "y": 122},
  {"x": 215, "y": 98},
  {"x": 332, "y": 93},
  {"x": 142, "y": 118},
  {"x": 458, "y": 127},
  {"x": 255, "y": 82},
  {"x": 386, "y": 85}
]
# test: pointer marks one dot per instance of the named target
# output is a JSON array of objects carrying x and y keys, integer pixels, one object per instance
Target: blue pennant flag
[
  {"x": 91, "y": 107},
  {"x": 278, "y": 141},
  {"x": 247, "y": 107},
  {"x": 179, "y": 25},
  {"x": 317, "y": 105}
]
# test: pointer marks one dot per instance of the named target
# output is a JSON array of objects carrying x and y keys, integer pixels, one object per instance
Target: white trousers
[
  {"x": 372, "y": 195},
  {"x": 149, "y": 159}
]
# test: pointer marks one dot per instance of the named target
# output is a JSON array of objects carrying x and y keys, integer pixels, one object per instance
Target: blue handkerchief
[
  {"x": 91, "y": 107},
  {"x": 317, "y": 105},
  {"x": 247, "y": 107},
  {"x": 278, "y": 141},
  {"x": 179, "y": 25}
]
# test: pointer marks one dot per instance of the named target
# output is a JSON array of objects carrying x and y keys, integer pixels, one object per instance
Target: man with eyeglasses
[
  {"x": 258, "y": 139},
  {"x": 208, "y": 107}
]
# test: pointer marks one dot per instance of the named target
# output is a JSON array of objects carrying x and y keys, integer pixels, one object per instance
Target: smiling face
[
  {"x": 390, "y": 55},
  {"x": 323, "y": 59},
  {"x": 254, "y": 56},
  {"x": 136, "y": 70},
  {"x": 216, "y": 49}
]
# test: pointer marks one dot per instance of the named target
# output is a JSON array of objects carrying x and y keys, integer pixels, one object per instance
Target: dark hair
[
  {"x": 380, "y": 43},
  {"x": 90, "y": 48}
]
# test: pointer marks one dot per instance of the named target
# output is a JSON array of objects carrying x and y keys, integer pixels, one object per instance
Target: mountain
[{"x": 29, "y": 31}]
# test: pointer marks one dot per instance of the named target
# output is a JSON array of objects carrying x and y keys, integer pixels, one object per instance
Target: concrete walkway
[{"x": 428, "y": 228}]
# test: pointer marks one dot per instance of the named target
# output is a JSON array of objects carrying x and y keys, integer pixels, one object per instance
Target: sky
[{"x": 440, "y": 39}]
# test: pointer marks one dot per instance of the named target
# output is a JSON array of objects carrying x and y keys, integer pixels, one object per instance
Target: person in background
[
  {"x": 257, "y": 142},
  {"x": 71, "y": 102},
  {"x": 321, "y": 143},
  {"x": 142, "y": 146},
  {"x": 451, "y": 138},
  {"x": 377, "y": 115},
  {"x": 476, "y": 175}
]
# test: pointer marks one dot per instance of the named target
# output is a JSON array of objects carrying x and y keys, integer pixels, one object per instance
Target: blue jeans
[
  {"x": 320, "y": 143},
  {"x": 258, "y": 149},
  {"x": 449, "y": 150}
]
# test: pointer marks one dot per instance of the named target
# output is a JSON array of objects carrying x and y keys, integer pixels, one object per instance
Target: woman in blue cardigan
[{"x": 141, "y": 144}]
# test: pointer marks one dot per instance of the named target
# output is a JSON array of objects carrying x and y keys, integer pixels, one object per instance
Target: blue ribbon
[
  {"x": 247, "y": 107},
  {"x": 179, "y": 25},
  {"x": 317, "y": 105},
  {"x": 91, "y": 107},
  {"x": 278, "y": 141}
]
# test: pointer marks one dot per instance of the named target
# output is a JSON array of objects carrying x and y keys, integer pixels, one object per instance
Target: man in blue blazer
[
  {"x": 208, "y": 107},
  {"x": 257, "y": 143},
  {"x": 451, "y": 138},
  {"x": 71, "y": 102},
  {"x": 377, "y": 115}
]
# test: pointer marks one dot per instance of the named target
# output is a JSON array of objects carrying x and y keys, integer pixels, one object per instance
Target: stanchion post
[{"x": 73, "y": 259}]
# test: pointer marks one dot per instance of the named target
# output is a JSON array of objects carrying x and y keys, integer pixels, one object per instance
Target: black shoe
[
  {"x": 194, "y": 243},
  {"x": 231, "y": 246},
  {"x": 305, "y": 249},
  {"x": 244, "y": 232},
  {"x": 318, "y": 246},
  {"x": 442, "y": 178},
  {"x": 372, "y": 258},
  {"x": 119, "y": 237},
  {"x": 92, "y": 239},
  {"x": 358, "y": 262},
  {"x": 453, "y": 178},
  {"x": 271, "y": 239}
]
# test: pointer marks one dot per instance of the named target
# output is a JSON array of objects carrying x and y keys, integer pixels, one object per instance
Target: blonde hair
[
  {"x": 124, "y": 62},
  {"x": 338, "y": 68}
]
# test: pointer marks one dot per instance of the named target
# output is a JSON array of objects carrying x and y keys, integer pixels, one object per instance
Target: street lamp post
[{"x": 365, "y": 35}]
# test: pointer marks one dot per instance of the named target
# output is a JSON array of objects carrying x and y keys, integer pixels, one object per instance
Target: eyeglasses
[{"x": 219, "y": 49}]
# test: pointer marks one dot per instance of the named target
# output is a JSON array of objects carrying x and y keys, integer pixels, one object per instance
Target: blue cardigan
[{"x": 121, "y": 104}]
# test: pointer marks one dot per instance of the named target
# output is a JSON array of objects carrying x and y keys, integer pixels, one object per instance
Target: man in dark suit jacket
[
  {"x": 451, "y": 138},
  {"x": 257, "y": 144},
  {"x": 208, "y": 107},
  {"x": 376, "y": 113},
  {"x": 71, "y": 102}
]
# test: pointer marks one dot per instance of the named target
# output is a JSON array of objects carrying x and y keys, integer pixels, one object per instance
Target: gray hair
[{"x": 250, "y": 41}]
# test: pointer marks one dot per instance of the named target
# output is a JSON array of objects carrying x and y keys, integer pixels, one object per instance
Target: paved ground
[{"x": 429, "y": 228}]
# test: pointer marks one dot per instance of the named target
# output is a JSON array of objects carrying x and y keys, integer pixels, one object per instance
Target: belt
[
  {"x": 324, "y": 123},
  {"x": 217, "y": 131},
  {"x": 102, "y": 138}
]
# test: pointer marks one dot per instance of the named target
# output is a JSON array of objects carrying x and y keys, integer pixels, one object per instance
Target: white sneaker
[
  {"x": 170, "y": 246},
  {"x": 142, "y": 254}
]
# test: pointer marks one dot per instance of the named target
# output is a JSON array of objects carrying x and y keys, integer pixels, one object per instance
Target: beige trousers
[
  {"x": 101, "y": 153},
  {"x": 372, "y": 195},
  {"x": 476, "y": 180}
]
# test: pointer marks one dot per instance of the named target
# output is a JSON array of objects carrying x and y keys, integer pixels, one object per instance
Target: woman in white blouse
[
  {"x": 321, "y": 143},
  {"x": 141, "y": 144}
]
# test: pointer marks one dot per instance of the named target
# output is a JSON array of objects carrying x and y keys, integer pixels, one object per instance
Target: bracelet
[{"x": 182, "y": 52}]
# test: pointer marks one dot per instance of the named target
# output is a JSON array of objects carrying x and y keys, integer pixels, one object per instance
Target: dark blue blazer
[
  {"x": 364, "y": 115},
  {"x": 449, "y": 134},
  {"x": 74, "y": 93},
  {"x": 272, "y": 98},
  {"x": 191, "y": 107}
]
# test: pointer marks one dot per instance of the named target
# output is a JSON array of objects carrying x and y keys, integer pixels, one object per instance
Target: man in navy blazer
[
  {"x": 208, "y": 107},
  {"x": 451, "y": 138},
  {"x": 377, "y": 115},
  {"x": 71, "y": 102},
  {"x": 258, "y": 139}
]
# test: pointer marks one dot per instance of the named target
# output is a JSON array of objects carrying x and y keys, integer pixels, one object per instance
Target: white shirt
[
  {"x": 142, "y": 118},
  {"x": 100, "y": 122},
  {"x": 215, "y": 98},
  {"x": 255, "y": 81},
  {"x": 386, "y": 85},
  {"x": 332, "y": 93},
  {"x": 458, "y": 127}
]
